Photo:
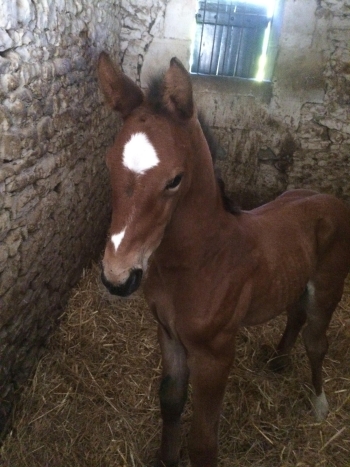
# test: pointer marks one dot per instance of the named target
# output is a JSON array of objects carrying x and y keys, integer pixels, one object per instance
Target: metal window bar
[
  {"x": 215, "y": 27},
  {"x": 229, "y": 38}
]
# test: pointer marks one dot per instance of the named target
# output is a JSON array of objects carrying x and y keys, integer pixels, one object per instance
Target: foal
[{"x": 210, "y": 271}]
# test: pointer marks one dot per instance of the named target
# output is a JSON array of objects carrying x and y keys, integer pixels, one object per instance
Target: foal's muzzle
[{"x": 128, "y": 287}]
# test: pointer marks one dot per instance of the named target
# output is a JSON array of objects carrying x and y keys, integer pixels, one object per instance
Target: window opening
[{"x": 231, "y": 37}]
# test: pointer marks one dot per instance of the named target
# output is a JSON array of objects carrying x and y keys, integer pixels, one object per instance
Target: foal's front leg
[
  {"x": 208, "y": 375},
  {"x": 172, "y": 395}
]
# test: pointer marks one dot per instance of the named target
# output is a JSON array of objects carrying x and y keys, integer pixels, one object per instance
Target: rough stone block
[
  {"x": 10, "y": 147},
  {"x": 6, "y": 41}
]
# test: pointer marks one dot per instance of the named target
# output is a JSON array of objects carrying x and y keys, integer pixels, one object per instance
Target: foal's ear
[
  {"x": 120, "y": 92},
  {"x": 177, "y": 95}
]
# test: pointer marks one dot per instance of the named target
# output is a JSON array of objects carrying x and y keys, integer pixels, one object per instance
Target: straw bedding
[{"x": 93, "y": 399}]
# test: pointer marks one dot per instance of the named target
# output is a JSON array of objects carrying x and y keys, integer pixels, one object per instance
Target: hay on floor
[{"x": 93, "y": 400}]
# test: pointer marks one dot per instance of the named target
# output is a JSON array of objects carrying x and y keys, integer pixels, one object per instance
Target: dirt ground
[{"x": 93, "y": 399}]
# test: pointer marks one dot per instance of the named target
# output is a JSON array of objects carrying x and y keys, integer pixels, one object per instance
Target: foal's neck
[{"x": 198, "y": 217}]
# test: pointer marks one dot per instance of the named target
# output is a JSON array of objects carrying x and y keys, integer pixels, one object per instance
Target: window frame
[{"x": 241, "y": 22}]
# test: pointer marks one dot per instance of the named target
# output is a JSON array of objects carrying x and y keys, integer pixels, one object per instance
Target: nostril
[
  {"x": 135, "y": 279},
  {"x": 128, "y": 287}
]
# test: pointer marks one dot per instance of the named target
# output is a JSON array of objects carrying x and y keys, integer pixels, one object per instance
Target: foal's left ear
[
  {"x": 120, "y": 92},
  {"x": 177, "y": 94}
]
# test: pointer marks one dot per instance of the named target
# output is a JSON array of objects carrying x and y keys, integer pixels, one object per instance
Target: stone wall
[
  {"x": 292, "y": 132},
  {"x": 323, "y": 159},
  {"x": 142, "y": 21},
  {"x": 54, "y": 191},
  {"x": 295, "y": 133}
]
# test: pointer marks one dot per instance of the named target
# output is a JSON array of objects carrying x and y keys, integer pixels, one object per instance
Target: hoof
[
  {"x": 273, "y": 359},
  {"x": 279, "y": 363},
  {"x": 160, "y": 463},
  {"x": 320, "y": 406}
]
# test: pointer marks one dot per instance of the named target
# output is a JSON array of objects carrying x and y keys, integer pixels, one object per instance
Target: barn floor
[{"x": 93, "y": 399}]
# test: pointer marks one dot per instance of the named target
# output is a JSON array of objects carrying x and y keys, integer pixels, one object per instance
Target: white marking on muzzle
[
  {"x": 117, "y": 239},
  {"x": 139, "y": 154}
]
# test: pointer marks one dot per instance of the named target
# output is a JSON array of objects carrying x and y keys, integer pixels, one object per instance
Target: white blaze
[
  {"x": 139, "y": 154},
  {"x": 117, "y": 239}
]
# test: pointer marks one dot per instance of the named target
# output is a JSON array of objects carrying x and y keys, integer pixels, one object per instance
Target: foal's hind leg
[
  {"x": 172, "y": 395},
  {"x": 321, "y": 305},
  {"x": 296, "y": 318}
]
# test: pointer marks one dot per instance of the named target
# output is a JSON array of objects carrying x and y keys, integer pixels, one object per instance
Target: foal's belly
[{"x": 273, "y": 296}]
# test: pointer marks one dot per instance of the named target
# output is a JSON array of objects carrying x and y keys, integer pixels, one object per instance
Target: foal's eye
[{"x": 174, "y": 183}]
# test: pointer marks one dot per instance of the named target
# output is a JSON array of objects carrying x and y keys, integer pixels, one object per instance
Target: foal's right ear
[{"x": 120, "y": 92}]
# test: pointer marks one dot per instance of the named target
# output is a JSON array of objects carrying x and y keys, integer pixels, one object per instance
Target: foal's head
[{"x": 149, "y": 165}]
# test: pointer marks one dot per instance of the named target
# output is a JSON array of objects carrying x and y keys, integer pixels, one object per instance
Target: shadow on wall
[{"x": 254, "y": 171}]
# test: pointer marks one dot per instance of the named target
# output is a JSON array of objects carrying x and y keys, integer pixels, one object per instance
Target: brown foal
[{"x": 207, "y": 272}]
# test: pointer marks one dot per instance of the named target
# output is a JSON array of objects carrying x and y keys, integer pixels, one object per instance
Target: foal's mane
[{"x": 154, "y": 98}]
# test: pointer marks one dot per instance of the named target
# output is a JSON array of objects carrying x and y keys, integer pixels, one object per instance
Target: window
[{"x": 231, "y": 37}]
